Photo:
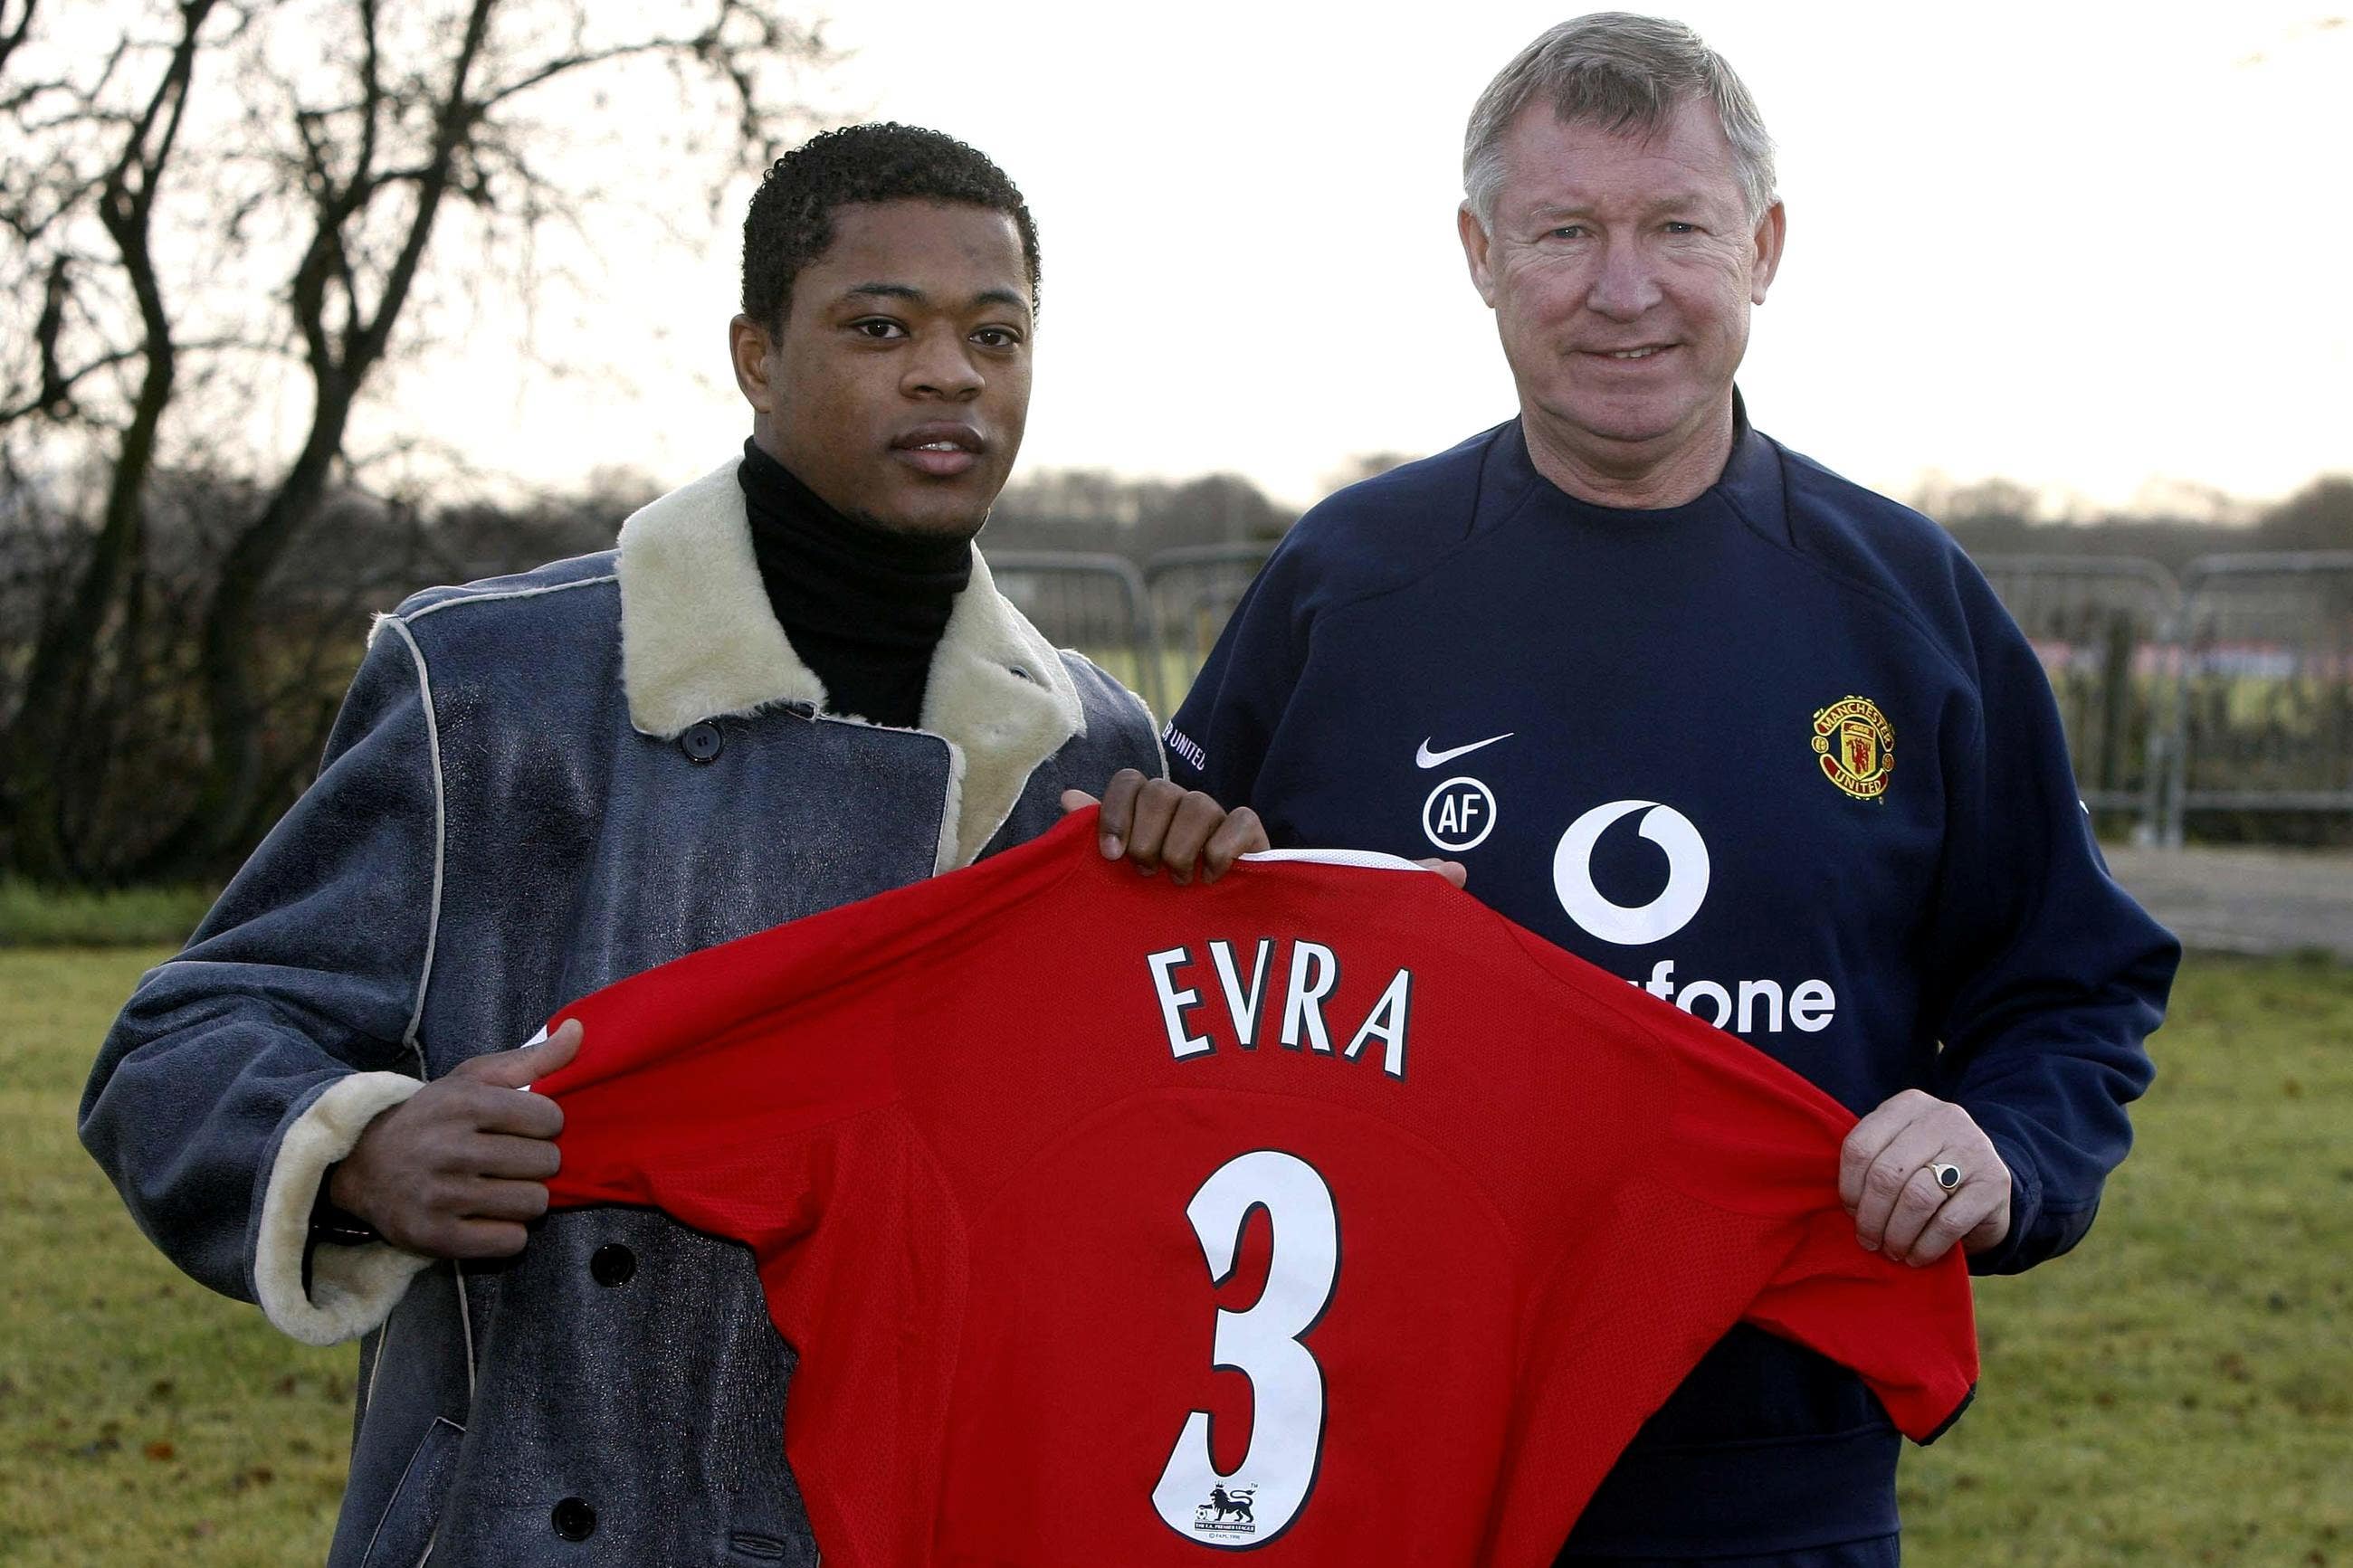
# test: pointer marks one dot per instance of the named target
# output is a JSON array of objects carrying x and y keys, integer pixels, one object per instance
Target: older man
[
  {"x": 792, "y": 685},
  {"x": 1705, "y": 713}
]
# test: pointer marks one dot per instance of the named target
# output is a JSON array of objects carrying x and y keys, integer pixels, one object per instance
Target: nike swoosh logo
[{"x": 1426, "y": 758}]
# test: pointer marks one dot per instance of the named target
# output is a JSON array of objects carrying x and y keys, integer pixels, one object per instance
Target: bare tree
[{"x": 217, "y": 201}]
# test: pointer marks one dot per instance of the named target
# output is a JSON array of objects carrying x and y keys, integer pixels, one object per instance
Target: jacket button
[
  {"x": 612, "y": 1264},
  {"x": 573, "y": 1519},
  {"x": 701, "y": 742}
]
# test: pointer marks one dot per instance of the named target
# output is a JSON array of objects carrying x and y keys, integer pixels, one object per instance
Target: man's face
[
  {"x": 899, "y": 385},
  {"x": 1622, "y": 269}
]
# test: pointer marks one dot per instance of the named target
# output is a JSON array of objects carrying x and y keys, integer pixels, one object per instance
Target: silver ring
[{"x": 1947, "y": 1175}]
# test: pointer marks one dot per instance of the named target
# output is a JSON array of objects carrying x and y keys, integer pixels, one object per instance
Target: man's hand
[
  {"x": 1898, "y": 1208},
  {"x": 1154, "y": 823},
  {"x": 456, "y": 1170}
]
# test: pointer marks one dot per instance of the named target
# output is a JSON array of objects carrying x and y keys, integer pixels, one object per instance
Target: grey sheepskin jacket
[{"x": 540, "y": 784}]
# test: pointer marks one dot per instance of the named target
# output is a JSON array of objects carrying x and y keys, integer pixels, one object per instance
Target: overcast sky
[{"x": 2087, "y": 247}]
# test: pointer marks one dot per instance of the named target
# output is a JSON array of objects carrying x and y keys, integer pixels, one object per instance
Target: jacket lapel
[
  {"x": 699, "y": 640},
  {"x": 1000, "y": 698}
]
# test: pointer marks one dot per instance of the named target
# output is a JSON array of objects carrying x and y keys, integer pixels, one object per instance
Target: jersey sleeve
[
  {"x": 714, "y": 1086},
  {"x": 1735, "y": 1216},
  {"x": 1910, "y": 1333},
  {"x": 715, "y": 1114},
  {"x": 1752, "y": 1139}
]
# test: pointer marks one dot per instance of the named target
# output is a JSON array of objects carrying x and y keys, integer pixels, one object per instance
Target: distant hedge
[{"x": 130, "y": 917}]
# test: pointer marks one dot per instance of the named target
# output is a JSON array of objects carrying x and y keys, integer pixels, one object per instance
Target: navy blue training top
[{"x": 1780, "y": 756}]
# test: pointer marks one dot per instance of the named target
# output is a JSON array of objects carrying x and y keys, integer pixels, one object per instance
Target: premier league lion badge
[{"x": 1210, "y": 1518}]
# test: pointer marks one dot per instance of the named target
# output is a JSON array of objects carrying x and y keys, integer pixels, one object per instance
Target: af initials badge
[{"x": 1856, "y": 746}]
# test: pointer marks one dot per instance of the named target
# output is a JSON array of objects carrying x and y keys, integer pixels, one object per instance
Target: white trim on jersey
[{"x": 1370, "y": 859}]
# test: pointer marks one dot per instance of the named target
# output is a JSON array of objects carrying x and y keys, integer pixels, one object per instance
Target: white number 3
[{"x": 1252, "y": 1505}]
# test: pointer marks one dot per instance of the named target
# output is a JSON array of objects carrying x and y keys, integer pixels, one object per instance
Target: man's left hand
[
  {"x": 1154, "y": 823},
  {"x": 1886, "y": 1184}
]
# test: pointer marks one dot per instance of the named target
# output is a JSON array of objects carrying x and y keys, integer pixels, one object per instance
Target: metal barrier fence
[
  {"x": 1095, "y": 603},
  {"x": 2264, "y": 697},
  {"x": 1194, "y": 590},
  {"x": 2230, "y": 690},
  {"x": 2101, "y": 626}
]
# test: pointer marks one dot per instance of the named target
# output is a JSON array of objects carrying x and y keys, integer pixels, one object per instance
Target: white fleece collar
[{"x": 699, "y": 640}]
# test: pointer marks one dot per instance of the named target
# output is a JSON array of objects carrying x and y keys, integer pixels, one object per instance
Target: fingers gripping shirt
[{"x": 1321, "y": 1212}]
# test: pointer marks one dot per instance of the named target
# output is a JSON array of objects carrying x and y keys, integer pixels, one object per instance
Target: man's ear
[
  {"x": 1771, "y": 230},
  {"x": 1474, "y": 251},
  {"x": 748, "y": 344}
]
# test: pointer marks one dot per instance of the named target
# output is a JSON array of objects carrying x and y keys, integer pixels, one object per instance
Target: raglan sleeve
[
  {"x": 1759, "y": 1145},
  {"x": 2049, "y": 976},
  {"x": 1910, "y": 1333},
  {"x": 1218, "y": 741},
  {"x": 721, "y": 1118}
]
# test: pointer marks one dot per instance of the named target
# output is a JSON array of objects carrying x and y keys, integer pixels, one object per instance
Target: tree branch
[
  {"x": 564, "y": 63},
  {"x": 55, "y": 401},
  {"x": 13, "y": 33},
  {"x": 453, "y": 120}
]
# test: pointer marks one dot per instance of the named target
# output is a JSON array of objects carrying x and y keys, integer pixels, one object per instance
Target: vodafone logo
[
  {"x": 1678, "y": 902},
  {"x": 1751, "y": 1008}
]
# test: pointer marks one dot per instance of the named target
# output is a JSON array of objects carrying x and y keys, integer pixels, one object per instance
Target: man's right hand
[{"x": 456, "y": 1169}]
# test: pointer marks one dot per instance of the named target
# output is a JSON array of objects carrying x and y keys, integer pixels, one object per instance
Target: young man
[
  {"x": 1716, "y": 720},
  {"x": 792, "y": 685}
]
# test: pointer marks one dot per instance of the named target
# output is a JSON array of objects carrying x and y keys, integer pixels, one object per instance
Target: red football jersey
[{"x": 1322, "y": 1212}]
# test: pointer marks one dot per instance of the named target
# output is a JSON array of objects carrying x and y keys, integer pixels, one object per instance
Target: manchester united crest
[{"x": 1856, "y": 746}]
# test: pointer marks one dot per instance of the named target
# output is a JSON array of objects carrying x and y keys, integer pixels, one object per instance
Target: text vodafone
[{"x": 1808, "y": 1006}]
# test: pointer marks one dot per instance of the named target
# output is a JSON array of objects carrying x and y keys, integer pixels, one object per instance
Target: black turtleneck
[{"x": 863, "y": 608}]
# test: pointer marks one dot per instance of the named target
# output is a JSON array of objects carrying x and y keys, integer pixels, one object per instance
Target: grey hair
[{"x": 1620, "y": 72}]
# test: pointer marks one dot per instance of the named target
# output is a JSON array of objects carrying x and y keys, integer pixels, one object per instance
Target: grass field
[
  {"x": 52, "y": 917},
  {"x": 2181, "y": 1392}
]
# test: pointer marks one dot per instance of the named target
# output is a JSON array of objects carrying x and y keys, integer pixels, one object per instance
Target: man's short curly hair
[{"x": 790, "y": 223}]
